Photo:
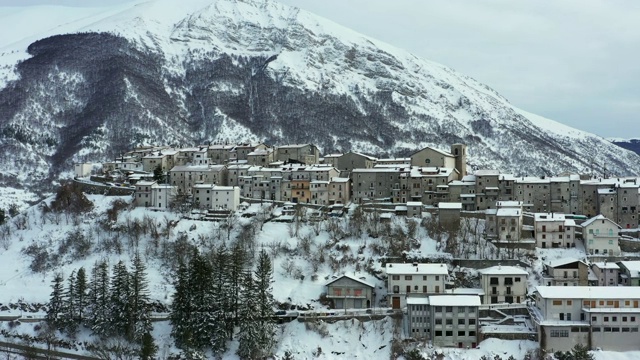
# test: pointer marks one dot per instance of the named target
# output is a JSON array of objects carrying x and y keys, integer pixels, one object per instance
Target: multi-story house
[
  {"x": 348, "y": 292},
  {"x": 377, "y": 183},
  {"x": 607, "y": 273},
  {"x": 630, "y": 272},
  {"x": 506, "y": 186},
  {"x": 600, "y": 236},
  {"x": 353, "y": 160},
  {"x": 566, "y": 272},
  {"x": 503, "y": 284},
  {"x": 554, "y": 230},
  {"x": 504, "y": 223},
  {"x": 464, "y": 192},
  {"x": 445, "y": 320},
  {"x": 596, "y": 316},
  {"x": 420, "y": 280},
  {"x": 487, "y": 188},
  {"x": 260, "y": 157},
  {"x": 162, "y": 195},
  {"x": 339, "y": 190},
  {"x": 449, "y": 215},
  {"x": 302, "y": 153},
  {"x": 212, "y": 196},
  {"x": 220, "y": 153},
  {"x": 331, "y": 160},
  {"x": 563, "y": 194},
  {"x": 534, "y": 193},
  {"x": 432, "y": 157},
  {"x": 143, "y": 193},
  {"x": 184, "y": 177}
]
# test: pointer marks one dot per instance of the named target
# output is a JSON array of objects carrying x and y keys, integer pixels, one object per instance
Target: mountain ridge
[{"x": 234, "y": 70}]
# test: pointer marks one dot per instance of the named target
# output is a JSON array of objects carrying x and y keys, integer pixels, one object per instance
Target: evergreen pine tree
[
  {"x": 68, "y": 311},
  {"x": 148, "y": 348},
  {"x": 182, "y": 309},
  {"x": 237, "y": 265},
  {"x": 139, "y": 302},
  {"x": 81, "y": 302},
  {"x": 221, "y": 313},
  {"x": 264, "y": 297},
  {"x": 200, "y": 280},
  {"x": 119, "y": 309},
  {"x": 99, "y": 298},
  {"x": 248, "y": 336},
  {"x": 56, "y": 306}
]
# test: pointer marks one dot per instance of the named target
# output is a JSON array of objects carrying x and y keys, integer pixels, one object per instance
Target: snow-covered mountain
[
  {"x": 629, "y": 144},
  {"x": 194, "y": 71}
]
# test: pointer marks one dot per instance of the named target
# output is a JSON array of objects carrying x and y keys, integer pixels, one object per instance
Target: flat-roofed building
[{"x": 606, "y": 317}]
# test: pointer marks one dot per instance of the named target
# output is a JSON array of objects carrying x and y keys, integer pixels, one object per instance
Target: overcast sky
[{"x": 576, "y": 62}]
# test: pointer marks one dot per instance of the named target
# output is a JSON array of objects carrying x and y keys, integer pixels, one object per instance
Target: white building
[
  {"x": 600, "y": 236},
  {"x": 554, "y": 231},
  {"x": 607, "y": 273},
  {"x": 211, "y": 196},
  {"x": 596, "y": 316},
  {"x": 503, "y": 284},
  {"x": 406, "y": 280},
  {"x": 162, "y": 195}
]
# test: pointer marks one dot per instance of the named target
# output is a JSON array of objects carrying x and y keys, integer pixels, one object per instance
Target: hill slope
[{"x": 228, "y": 70}]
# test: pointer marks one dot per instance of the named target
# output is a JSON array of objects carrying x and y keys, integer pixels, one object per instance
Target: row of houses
[{"x": 565, "y": 311}]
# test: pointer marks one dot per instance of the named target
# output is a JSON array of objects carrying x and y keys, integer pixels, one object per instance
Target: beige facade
[
  {"x": 142, "y": 196},
  {"x": 186, "y": 176},
  {"x": 339, "y": 190},
  {"x": 414, "y": 280},
  {"x": 348, "y": 292},
  {"x": 566, "y": 272},
  {"x": 432, "y": 157},
  {"x": 304, "y": 153},
  {"x": 353, "y": 160},
  {"x": 260, "y": 157},
  {"x": 554, "y": 231},
  {"x": 504, "y": 223},
  {"x": 503, "y": 284}
]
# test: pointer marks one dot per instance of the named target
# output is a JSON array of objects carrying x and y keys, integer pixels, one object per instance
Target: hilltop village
[{"x": 573, "y": 302}]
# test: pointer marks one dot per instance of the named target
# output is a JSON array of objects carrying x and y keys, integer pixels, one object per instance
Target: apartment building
[
  {"x": 301, "y": 153},
  {"x": 414, "y": 280},
  {"x": 602, "y": 317},
  {"x": 184, "y": 177},
  {"x": 600, "y": 236},
  {"x": 566, "y": 272},
  {"x": 553, "y": 230},
  {"x": 259, "y": 156},
  {"x": 445, "y": 320},
  {"x": 143, "y": 193},
  {"x": 504, "y": 223},
  {"x": 353, "y": 160},
  {"x": 162, "y": 195},
  {"x": 606, "y": 273},
  {"x": 503, "y": 284},
  {"x": 212, "y": 196}
]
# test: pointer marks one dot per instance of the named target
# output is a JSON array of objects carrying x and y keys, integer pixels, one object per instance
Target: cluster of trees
[
  {"x": 217, "y": 294},
  {"x": 111, "y": 305}
]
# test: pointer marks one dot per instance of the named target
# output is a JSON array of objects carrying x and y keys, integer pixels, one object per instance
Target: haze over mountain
[{"x": 194, "y": 72}]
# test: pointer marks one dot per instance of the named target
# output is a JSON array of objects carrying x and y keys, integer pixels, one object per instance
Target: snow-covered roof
[
  {"x": 414, "y": 203},
  {"x": 562, "y": 261},
  {"x": 487, "y": 173},
  {"x": 606, "y": 265},
  {"x": 508, "y": 212},
  {"x": 465, "y": 291},
  {"x": 145, "y": 183},
  {"x": 436, "y": 150},
  {"x": 197, "y": 168},
  {"x": 606, "y": 191},
  {"x": 549, "y": 217},
  {"x": 400, "y": 208},
  {"x": 632, "y": 266},
  {"x": 503, "y": 270},
  {"x": 589, "y": 292},
  {"x": 597, "y": 217},
  {"x": 532, "y": 180},
  {"x": 214, "y": 187},
  {"x": 414, "y": 300},
  {"x": 363, "y": 282},
  {"x": 509, "y": 204},
  {"x": 292, "y": 146},
  {"x": 339, "y": 179},
  {"x": 450, "y": 205},
  {"x": 421, "y": 269},
  {"x": 454, "y": 300}
]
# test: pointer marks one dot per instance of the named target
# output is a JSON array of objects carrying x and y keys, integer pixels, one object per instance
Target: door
[{"x": 395, "y": 302}]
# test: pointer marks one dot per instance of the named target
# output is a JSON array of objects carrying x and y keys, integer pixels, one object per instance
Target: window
[
  {"x": 449, "y": 322},
  {"x": 407, "y": 277},
  {"x": 557, "y": 302},
  {"x": 517, "y": 279},
  {"x": 438, "y": 321},
  {"x": 424, "y": 289},
  {"x": 461, "y": 322},
  {"x": 461, "y": 333},
  {"x": 472, "y": 322},
  {"x": 594, "y": 319},
  {"x": 395, "y": 277},
  {"x": 606, "y": 319},
  {"x": 472, "y": 333},
  {"x": 569, "y": 303},
  {"x": 595, "y": 329},
  {"x": 559, "y": 333},
  {"x": 438, "y": 333},
  {"x": 614, "y": 318},
  {"x": 449, "y": 309},
  {"x": 448, "y": 333},
  {"x": 624, "y": 319}
]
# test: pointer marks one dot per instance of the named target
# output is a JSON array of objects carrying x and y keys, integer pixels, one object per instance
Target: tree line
[
  {"x": 115, "y": 304},
  {"x": 218, "y": 296}
]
